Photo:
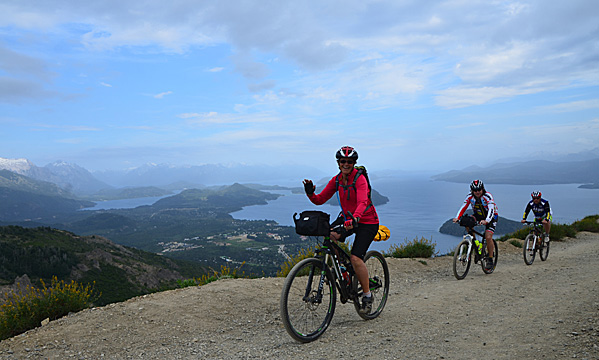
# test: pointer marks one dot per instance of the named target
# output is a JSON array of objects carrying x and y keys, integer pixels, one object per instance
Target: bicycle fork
[
  {"x": 309, "y": 297},
  {"x": 469, "y": 239},
  {"x": 535, "y": 238}
]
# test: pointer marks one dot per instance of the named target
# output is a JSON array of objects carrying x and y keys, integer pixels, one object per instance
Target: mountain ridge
[{"x": 538, "y": 172}]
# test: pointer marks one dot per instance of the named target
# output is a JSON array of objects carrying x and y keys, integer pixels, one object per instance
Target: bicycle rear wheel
[
  {"x": 461, "y": 260},
  {"x": 378, "y": 275},
  {"x": 307, "y": 312},
  {"x": 528, "y": 249},
  {"x": 544, "y": 250}
]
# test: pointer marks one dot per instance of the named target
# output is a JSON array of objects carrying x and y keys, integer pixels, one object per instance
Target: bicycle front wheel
[
  {"x": 461, "y": 260},
  {"x": 307, "y": 308},
  {"x": 528, "y": 250},
  {"x": 544, "y": 250},
  {"x": 378, "y": 277}
]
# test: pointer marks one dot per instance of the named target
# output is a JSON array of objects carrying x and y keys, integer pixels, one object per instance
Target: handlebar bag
[
  {"x": 468, "y": 221},
  {"x": 312, "y": 223}
]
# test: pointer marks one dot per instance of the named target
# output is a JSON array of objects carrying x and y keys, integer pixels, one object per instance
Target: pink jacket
[{"x": 358, "y": 198}]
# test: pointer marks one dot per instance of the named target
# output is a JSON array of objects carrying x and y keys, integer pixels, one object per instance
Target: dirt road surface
[{"x": 549, "y": 310}]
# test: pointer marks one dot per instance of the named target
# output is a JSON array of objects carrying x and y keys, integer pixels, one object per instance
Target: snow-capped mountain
[
  {"x": 19, "y": 166},
  {"x": 70, "y": 177}
]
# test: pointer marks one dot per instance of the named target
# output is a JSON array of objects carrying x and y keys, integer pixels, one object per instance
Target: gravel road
[{"x": 549, "y": 310}]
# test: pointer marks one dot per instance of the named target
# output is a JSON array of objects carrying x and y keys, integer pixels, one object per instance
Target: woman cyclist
[
  {"x": 353, "y": 194},
  {"x": 485, "y": 212}
]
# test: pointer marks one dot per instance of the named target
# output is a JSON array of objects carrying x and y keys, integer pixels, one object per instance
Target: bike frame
[
  {"x": 536, "y": 232},
  {"x": 328, "y": 252},
  {"x": 470, "y": 236}
]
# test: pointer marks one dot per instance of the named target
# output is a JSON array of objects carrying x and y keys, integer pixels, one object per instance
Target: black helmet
[
  {"x": 477, "y": 185},
  {"x": 346, "y": 152},
  {"x": 535, "y": 194}
]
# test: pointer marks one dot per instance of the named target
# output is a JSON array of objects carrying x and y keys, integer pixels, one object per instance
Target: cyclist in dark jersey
[
  {"x": 542, "y": 211},
  {"x": 353, "y": 195},
  {"x": 485, "y": 212}
]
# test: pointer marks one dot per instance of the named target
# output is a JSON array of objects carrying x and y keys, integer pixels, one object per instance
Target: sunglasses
[
  {"x": 536, "y": 198},
  {"x": 346, "y": 161}
]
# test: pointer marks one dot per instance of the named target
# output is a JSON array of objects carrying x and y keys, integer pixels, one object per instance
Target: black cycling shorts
[
  {"x": 491, "y": 225},
  {"x": 365, "y": 234}
]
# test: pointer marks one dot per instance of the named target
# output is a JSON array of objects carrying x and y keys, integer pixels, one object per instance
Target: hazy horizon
[{"x": 413, "y": 86}]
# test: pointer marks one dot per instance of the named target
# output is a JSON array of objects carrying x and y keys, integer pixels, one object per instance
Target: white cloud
[
  {"x": 162, "y": 94},
  {"x": 458, "y": 97},
  {"x": 105, "y": 84},
  {"x": 462, "y": 126},
  {"x": 572, "y": 106},
  {"x": 71, "y": 141},
  {"x": 216, "y": 118}
]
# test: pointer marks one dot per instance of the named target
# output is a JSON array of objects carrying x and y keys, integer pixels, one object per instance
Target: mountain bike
[
  {"x": 310, "y": 290},
  {"x": 534, "y": 242},
  {"x": 462, "y": 256}
]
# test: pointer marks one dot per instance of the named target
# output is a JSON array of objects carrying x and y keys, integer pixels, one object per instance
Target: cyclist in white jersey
[{"x": 485, "y": 212}]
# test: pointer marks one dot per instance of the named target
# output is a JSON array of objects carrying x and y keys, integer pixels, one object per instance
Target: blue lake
[
  {"x": 127, "y": 203},
  {"x": 418, "y": 208}
]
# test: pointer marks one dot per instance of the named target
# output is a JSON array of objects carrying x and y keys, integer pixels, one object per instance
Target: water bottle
[
  {"x": 479, "y": 245},
  {"x": 344, "y": 273}
]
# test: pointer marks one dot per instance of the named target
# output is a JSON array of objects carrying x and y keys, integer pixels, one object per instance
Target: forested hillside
[{"x": 119, "y": 272}]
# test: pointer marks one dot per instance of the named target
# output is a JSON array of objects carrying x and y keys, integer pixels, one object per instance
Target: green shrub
[
  {"x": 589, "y": 223},
  {"x": 187, "y": 282},
  {"x": 422, "y": 248},
  {"x": 516, "y": 243},
  {"x": 224, "y": 273},
  {"x": 294, "y": 259},
  {"x": 519, "y": 234},
  {"x": 23, "y": 311},
  {"x": 560, "y": 231}
]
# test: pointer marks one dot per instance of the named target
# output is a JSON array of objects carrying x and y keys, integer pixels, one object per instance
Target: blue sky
[{"x": 412, "y": 85}]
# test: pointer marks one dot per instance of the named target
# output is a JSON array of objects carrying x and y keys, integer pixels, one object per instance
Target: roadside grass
[
  {"x": 417, "y": 248},
  {"x": 560, "y": 231},
  {"x": 516, "y": 243},
  {"x": 294, "y": 259},
  {"x": 225, "y": 272},
  {"x": 589, "y": 223},
  {"x": 26, "y": 309}
]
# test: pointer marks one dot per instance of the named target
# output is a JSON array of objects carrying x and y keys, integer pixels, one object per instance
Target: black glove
[{"x": 309, "y": 187}]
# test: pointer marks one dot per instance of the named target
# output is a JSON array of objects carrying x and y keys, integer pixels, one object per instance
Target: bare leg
[
  {"x": 546, "y": 226},
  {"x": 361, "y": 272},
  {"x": 490, "y": 247}
]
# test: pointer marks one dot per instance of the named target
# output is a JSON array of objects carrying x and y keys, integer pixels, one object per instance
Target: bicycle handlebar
[{"x": 532, "y": 222}]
